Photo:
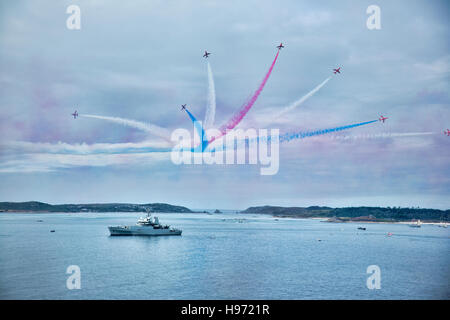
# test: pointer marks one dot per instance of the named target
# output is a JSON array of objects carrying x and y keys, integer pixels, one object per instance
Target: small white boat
[{"x": 416, "y": 224}]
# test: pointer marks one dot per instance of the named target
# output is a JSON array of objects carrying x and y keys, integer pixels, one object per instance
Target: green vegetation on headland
[
  {"x": 361, "y": 214},
  {"x": 34, "y": 206}
]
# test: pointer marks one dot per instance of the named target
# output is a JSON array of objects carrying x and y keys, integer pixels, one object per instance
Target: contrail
[
  {"x": 301, "y": 135},
  {"x": 199, "y": 128},
  {"x": 382, "y": 135},
  {"x": 297, "y": 103},
  {"x": 148, "y": 127},
  {"x": 62, "y": 148},
  {"x": 85, "y": 149},
  {"x": 238, "y": 116},
  {"x": 211, "y": 107}
]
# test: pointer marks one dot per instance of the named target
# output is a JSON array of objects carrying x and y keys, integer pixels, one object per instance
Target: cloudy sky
[{"x": 141, "y": 61}]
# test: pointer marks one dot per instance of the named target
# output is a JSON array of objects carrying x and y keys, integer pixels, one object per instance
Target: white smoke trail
[
  {"x": 211, "y": 107},
  {"x": 148, "y": 127},
  {"x": 23, "y": 156},
  {"x": 297, "y": 103},
  {"x": 25, "y": 147},
  {"x": 47, "y": 162},
  {"x": 381, "y": 135}
]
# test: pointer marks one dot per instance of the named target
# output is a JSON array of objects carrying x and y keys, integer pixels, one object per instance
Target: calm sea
[{"x": 219, "y": 257}]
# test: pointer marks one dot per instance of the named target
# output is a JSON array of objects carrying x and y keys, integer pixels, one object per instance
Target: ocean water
[{"x": 218, "y": 257}]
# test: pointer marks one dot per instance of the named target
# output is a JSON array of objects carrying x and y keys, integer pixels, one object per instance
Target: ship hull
[{"x": 142, "y": 231}]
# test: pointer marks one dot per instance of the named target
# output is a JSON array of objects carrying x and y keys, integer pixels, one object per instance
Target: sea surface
[{"x": 220, "y": 256}]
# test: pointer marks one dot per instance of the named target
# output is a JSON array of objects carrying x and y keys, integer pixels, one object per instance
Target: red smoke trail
[{"x": 234, "y": 121}]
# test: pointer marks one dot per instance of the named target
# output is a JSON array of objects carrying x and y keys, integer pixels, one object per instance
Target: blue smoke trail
[
  {"x": 201, "y": 132},
  {"x": 283, "y": 138},
  {"x": 296, "y": 135},
  {"x": 301, "y": 135}
]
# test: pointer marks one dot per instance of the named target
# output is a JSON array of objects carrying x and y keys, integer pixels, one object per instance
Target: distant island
[
  {"x": 361, "y": 214},
  {"x": 348, "y": 214},
  {"x": 35, "y": 206}
]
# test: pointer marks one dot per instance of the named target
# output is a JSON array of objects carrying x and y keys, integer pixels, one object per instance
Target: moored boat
[{"x": 416, "y": 224}]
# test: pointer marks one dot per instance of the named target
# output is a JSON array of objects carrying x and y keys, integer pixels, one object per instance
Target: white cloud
[{"x": 309, "y": 19}]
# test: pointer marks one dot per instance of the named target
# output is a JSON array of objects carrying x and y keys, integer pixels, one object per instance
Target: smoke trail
[
  {"x": 301, "y": 135},
  {"x": 85, "y": 149},
  {"x": 211, "y": 107},
  {"x": 297, "y": 103},
  {"x": 238, "y": 116},
  {"x": 296, "y": 135},
  {"x": 162, "y": 147},
  {"x": 199, "y": 128},
  {"x": 150, "y": 128},
  {"x": 382, "y": 135}
]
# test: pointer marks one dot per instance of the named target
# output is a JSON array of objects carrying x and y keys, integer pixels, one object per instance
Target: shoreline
[
  {"x": 322, "y": 219},
  {"x": 325, "y": 219}
]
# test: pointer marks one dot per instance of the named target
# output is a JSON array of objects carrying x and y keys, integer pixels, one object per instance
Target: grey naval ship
[{"x": 146, "y": 226}]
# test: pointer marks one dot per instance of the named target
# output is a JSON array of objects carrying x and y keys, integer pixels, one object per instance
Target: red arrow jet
[{"x": 383, "y": 119}]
